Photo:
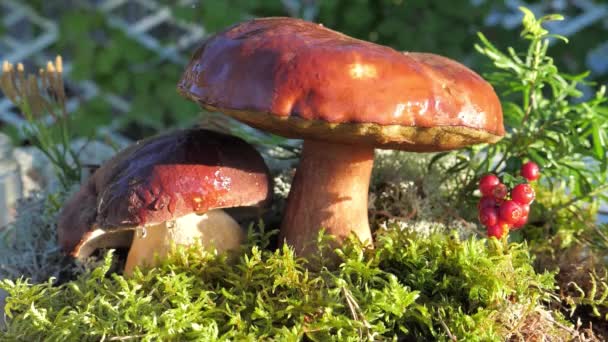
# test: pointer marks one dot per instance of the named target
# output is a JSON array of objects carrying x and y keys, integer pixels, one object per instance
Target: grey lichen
[
  {"x": 406, "y": 194},
  {"x": 29, "y": 245}
]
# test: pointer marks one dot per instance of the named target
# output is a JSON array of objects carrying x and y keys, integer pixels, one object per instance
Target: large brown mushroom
[
  {"x": 170, "y": 189},
  {"x": 344, "y": 97}
]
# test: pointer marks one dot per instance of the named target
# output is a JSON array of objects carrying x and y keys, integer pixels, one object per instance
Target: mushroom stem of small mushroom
[
  {"x": 329, "y": 191},
  {"x": 214, "y": 229}
]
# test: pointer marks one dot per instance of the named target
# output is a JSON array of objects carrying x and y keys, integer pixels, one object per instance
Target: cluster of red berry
[{"x": 497, "y": 211}]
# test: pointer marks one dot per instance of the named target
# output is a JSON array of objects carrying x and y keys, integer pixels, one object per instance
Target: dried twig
[
  {"x": 447, "y": 329},
  {"x": 355, "y": 311}
]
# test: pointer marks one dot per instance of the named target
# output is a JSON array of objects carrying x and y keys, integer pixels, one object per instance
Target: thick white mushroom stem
[
  {"x": 329, "y": 191},
  {"x": 214, "y": 229}
]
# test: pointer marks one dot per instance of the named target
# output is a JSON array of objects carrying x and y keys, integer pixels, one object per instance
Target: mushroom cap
[
  {"x": 160, "y": 179},
  {"x": 301, "y": 80}
]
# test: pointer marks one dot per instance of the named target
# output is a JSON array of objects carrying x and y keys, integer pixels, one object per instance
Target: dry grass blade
[
  {"x": 37, "y": 94},
  {"x": 7, "y": 82}
]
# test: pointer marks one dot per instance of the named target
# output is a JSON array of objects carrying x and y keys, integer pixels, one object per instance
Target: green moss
[{"x": 423, "y": 287}]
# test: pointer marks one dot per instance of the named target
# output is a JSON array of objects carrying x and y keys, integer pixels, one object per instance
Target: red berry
[
  {"x": 488, "y": 216},
  {"x": 522, "y": 222},
  {"x": 530, "y": 171},
  {"x": 497, "y": 230},
  {"x": 500, "y": 191},
  {"x": 510, "y": 212},
  {"x": 523, "y": 194},
  {"x": 487, "y": 184},
  {"x": 525, "y": 208},
  {"x": 486, "y": 202}
]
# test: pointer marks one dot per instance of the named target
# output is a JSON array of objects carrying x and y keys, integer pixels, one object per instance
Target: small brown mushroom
[
  {"x": 169, "y": 190},
  {"x": 344, "y": 97}
]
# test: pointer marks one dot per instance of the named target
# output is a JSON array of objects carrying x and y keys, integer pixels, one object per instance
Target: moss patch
[{"x": 411, "y": 286}]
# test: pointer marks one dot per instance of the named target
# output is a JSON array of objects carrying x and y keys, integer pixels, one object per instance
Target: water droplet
[
  {"x": 198, "y": 204},
  {"x": 170, "y": 224},
  {"x": 172, "y": 203},
  {"x": 141, "y": 232}
]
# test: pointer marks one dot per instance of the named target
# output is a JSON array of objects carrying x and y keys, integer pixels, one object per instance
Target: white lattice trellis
[
  {"x": 149, "y": 23},
  {"x": 27, "y": 38}
]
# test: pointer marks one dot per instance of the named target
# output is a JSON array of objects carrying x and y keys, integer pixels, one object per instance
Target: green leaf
[{"x": 599, "y": 143}]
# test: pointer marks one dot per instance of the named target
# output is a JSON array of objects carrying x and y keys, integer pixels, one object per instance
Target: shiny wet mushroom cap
[
  {"x": 170, "y": 189},
  {"x": 344, "y": 97}
]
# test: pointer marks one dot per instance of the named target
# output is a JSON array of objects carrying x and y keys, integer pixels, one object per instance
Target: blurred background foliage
[{"x": 145, "y": 79}]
